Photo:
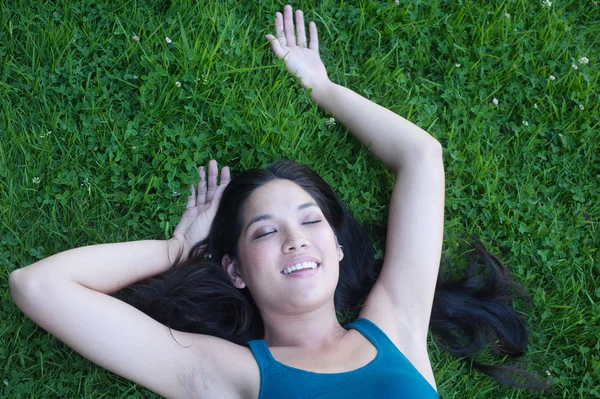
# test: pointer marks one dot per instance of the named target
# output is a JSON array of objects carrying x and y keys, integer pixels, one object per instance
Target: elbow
[
  {"x": 434, "y": 148},
  {"x": 15, "y": 280},
  {"x": 15, "y": 284},
  {"x": 430, "y": 152},
  {"x": 22, "y": 286}
]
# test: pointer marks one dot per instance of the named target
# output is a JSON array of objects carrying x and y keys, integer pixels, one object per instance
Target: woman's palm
[
  {"x": 302, "y": 58},
  {"x": 201, "y": 208}
]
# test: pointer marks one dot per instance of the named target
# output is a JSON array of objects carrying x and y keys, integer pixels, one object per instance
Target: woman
[{"x": 251, "y": 298}]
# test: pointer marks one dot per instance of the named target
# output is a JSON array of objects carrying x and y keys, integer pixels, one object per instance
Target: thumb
[{"x": 275, "y": 46}]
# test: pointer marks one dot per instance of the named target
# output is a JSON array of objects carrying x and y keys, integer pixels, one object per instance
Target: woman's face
[{"x": 282, "y": 226}]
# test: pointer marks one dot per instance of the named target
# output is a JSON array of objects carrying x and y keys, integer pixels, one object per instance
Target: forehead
[{"x": 281, "y": 194}]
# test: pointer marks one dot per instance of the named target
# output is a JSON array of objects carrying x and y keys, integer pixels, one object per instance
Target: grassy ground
[{"x": 98, "y": 143}]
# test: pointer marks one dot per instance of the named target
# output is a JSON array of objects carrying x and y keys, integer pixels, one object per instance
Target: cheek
[
  {"x": 259, "y": 253},
  {"x": 327, "y": 237}
]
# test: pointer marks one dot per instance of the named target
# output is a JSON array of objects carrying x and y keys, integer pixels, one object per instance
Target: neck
[{"x": 311, "y": 330}]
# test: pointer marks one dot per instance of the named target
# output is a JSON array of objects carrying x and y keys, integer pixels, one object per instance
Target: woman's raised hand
[
  {"x": 301, "y": 57},
  {"x": 202, "y": 206}
]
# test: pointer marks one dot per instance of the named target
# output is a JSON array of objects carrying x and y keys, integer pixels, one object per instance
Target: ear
[
  {"x": 340, "y": 250},
  {"x": 232, "y": 271}
]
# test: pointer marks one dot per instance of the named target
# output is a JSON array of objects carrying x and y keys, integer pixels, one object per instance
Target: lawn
[{"x": 108, "y": 107}]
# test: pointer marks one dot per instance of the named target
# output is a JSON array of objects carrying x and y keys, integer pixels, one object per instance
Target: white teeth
[{"x": 302, "y": 265}]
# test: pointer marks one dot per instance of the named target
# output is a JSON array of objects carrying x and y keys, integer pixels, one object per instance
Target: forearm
[
  {"x": 393, "y": 140},
  {"x": 106, "y": 267}
]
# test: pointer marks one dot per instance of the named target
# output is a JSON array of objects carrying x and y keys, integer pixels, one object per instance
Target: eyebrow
[{"x": 268, "y": 216}]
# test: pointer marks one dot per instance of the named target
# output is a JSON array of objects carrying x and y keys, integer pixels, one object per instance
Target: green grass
[{"x": 97, "y": 142}]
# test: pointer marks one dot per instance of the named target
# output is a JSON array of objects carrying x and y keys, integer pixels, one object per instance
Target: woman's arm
[
  {"x": 104, "y": 268},
  {"x": 65, "y": 295},
  {"x": 394, "y": 141},
  {"x": 120, "y": 338}
]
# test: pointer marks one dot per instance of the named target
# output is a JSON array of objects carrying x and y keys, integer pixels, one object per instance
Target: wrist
[
  {"x": 176, "y": 246},
  {"x": 320, "y": 91}
]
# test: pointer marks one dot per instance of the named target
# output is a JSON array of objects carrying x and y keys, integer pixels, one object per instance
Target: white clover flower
[
  {"x": 495, "y": 101},
  {"x": 584, "y": 60},
  {"x": 573, "y": 66},
  {"x": 178, "y": 84},
  {"x": 168, "y": 40},
  {"x": 135, "y": 77},
  {"x": 397, "y": 2},
  {"x": 507, "y": 15},
  {"x": 135, "y": 38},
  {"x": 563, "y": 139},
  {"x": 213, "y": 19},
  {"x": 525, "y": 123},
  {"x": 552, "y": 77},
  {"x": 546, "y": 4},
  {"x": 330, "y": 122},
  {"x": 36, "y": 180},
  {"x": 548, "y": 372},
  {"x": 48, "y": 133},
  {"x": 457, "y": 65},
  {"x": 581, "y": 107},
  {"x": 535, "y": 106}
]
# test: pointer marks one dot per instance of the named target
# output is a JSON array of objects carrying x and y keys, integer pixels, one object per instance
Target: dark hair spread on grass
[{"x": 196, "y": 295}]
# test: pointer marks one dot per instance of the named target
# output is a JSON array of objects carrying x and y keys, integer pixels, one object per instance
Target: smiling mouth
[{"x": 301, "y": 270}]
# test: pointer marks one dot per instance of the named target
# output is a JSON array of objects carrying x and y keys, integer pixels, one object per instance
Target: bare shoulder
[{"x": 220, "y": 369}]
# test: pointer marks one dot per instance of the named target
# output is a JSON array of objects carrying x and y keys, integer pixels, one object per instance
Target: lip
[
  {"x": 301, "y": 259},
  {"x": 303, "y": 273}
]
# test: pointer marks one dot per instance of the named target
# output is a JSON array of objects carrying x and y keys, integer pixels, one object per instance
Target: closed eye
[
  {"x": 270, "y": 232},
  {"x": 262, "y": 235}
]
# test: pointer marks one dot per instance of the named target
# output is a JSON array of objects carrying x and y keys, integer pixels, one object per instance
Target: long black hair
[{"x": 196, "y": 295}]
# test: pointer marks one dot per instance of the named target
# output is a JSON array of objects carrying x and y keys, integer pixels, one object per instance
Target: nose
[{"x": 294, "y": 241}]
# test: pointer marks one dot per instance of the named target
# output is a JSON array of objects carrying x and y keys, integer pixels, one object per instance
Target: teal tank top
[{"x": 389, "y": 375}]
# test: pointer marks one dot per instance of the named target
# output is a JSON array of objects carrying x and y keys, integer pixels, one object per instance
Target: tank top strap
[
  {"x": 261, "y": 353},
  {"x": 374, "y": 334}
]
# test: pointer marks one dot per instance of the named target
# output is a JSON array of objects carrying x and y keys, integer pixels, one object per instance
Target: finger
[
  {"x": 201, "y": 199},
  {"x": 314, "y": 37},
  {"x": 276, "y": 46},
  {"x": 300, "y": 30},
  {"x": 225, "y": 176},
  {"x": 213, "y": 172},
  {"x": 191, "y": 199},
  {"x": 288, "y": 26},
  {"x": 214, "y": 205},
  {"x": 279, "y": 29}
]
